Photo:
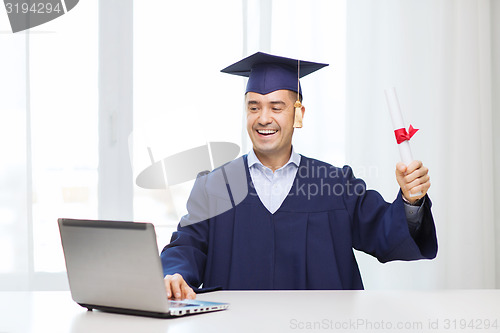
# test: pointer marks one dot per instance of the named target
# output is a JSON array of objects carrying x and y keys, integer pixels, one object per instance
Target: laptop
[{"x": 114, "y": 266}]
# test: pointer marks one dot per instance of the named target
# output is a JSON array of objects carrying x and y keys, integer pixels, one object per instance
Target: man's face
[{"x": 270, "y": 121}]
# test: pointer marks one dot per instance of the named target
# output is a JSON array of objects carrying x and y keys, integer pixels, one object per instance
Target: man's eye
[
  {"x": 253, "y": 109},
  {"x": 277, "y": 109}
]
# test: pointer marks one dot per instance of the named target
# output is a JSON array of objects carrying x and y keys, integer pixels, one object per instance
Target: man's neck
[{"x": 274, "y": 161}]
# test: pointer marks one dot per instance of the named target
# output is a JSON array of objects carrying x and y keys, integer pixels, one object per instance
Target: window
[
  {"x": 181, "y": 101},
  {"x": 63, "y": 91},
  {"x": 49, "y": 125}
]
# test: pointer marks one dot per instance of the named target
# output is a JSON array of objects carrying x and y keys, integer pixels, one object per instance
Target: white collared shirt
[{"x": 273, "y": 187}]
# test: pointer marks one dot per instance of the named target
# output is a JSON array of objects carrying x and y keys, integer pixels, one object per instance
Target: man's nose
[{"x": 265, "y": 117}]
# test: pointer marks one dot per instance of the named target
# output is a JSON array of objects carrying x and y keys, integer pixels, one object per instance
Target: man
[{"x": 301, "y": 218}]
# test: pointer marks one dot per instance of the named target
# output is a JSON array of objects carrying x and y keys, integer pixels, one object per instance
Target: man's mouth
[{"x": 267, "y": 131}]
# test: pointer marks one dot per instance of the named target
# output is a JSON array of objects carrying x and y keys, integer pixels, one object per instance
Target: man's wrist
[{"x": 416, "y": 203}]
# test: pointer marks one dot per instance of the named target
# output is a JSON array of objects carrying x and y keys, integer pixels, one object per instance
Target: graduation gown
[{"x": 306, "y": 244}]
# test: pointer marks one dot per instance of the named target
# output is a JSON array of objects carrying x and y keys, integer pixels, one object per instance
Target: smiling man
[{"x": 301, "y": 219}]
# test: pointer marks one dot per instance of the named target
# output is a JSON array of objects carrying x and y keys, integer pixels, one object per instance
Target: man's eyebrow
[{"x": 253, "y": 102}]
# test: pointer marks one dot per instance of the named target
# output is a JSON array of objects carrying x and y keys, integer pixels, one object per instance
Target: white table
[{"x": 271, "y": 311}]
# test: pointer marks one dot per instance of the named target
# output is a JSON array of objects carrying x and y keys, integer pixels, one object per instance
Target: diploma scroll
[{"x": 402, "y": 136}]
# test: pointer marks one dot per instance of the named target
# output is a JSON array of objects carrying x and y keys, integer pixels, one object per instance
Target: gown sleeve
[
  {"x": 213, "y": 194},
  {"x": 186, "y": 253},
  {"x": 381, "y": 229}
]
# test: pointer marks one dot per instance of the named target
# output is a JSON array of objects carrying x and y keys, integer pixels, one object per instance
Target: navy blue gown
[{"x": 306, "y": 244}]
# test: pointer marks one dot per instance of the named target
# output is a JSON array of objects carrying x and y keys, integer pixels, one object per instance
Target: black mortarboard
[{"x": 267, "y": 73}]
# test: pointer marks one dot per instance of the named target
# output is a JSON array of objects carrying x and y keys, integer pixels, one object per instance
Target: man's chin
[
  {"x": 267, "y": 152},
  {"x": 270, "y": 151},
  {"x": 268, "y": 147}
]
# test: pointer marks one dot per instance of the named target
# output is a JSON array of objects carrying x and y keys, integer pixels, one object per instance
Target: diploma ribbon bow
[{"x": 402, "y": 135}]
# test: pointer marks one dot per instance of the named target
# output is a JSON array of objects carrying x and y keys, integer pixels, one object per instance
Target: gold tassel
[
  {"x": 298, "y": 106},
  {"x": 298, "y": 115}
]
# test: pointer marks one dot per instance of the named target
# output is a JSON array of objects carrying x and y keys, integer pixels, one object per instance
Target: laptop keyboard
[{"x": 174, "y": 304}]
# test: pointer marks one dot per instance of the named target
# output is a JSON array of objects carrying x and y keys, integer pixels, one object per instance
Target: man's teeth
[{"x": 267, "y": 132}]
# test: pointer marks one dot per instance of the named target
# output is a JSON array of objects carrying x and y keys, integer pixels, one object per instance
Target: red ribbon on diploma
[{"x": 402, "y": 135}]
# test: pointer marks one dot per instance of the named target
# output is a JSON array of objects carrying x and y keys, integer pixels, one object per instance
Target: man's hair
[{"x": 295, "y": 96}]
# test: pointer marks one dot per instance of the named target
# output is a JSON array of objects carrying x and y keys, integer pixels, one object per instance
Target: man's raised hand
[{"x": 413, "y": 179}]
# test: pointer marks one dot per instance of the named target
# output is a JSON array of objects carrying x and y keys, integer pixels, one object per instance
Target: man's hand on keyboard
[{"x": 177, "y": 288}]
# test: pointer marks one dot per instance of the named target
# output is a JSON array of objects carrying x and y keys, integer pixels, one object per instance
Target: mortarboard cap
[{"x": 267, "y": 73}]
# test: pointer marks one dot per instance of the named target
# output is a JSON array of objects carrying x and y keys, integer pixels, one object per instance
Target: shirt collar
[{"x": 253, "y": 160}]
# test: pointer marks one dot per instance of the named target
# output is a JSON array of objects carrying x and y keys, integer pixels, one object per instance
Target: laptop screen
[{"x": 114, "y": 264}]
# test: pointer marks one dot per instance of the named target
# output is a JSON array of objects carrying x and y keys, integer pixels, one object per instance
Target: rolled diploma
[{"x": 397, "y": 123}]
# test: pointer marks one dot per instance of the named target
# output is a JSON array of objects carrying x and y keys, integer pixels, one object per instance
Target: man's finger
[
  {"x": 418, "y": 173},
  {"x": 401, "y": 168},
  {"x": 188, "y": 292},
  {"x": 167, "y": 285},
  {"x": 175, "y": 285},
  {"x": 416, "y": 182},
  {"x": 414, "y": 165},
  {"x": 422, "y": 188}
]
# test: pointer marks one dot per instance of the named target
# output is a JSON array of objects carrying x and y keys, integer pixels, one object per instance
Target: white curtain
[{"x": 443, "y": 59}]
